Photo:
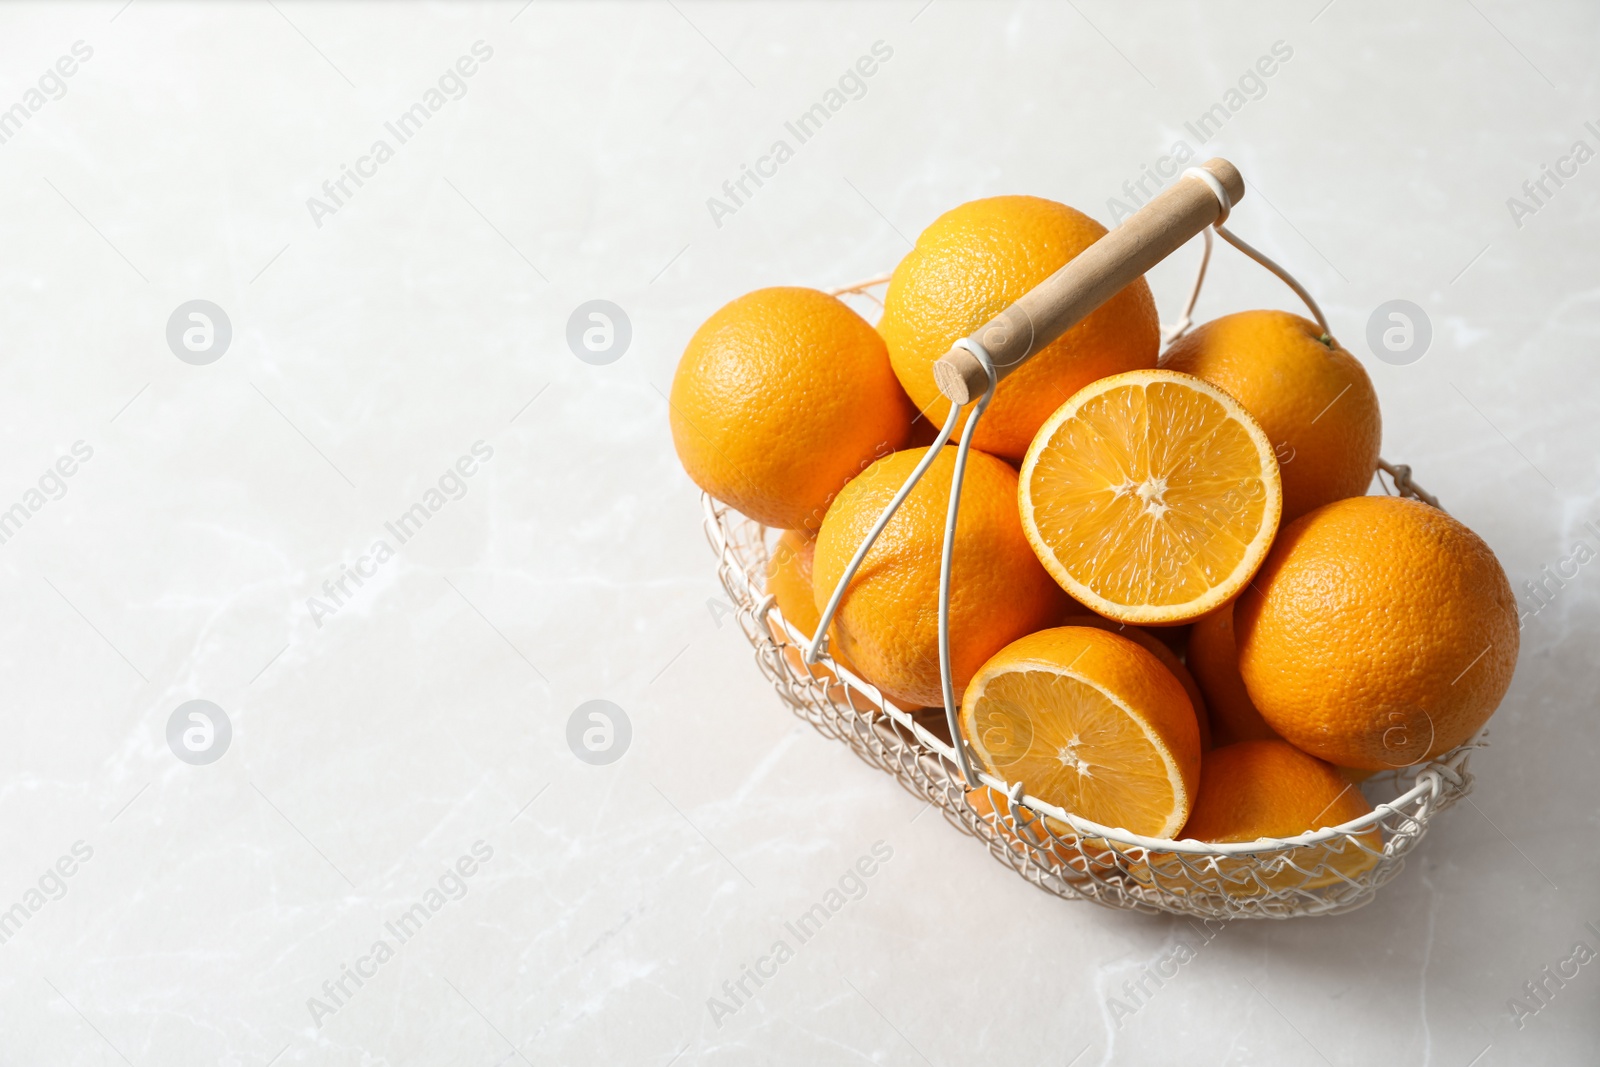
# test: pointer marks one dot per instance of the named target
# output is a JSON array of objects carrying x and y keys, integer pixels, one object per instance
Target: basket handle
[{"x": 1095, "y": 275}]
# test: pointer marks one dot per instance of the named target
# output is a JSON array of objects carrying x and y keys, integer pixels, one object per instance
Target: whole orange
[
  {"x": 781, "y": 397},
  {"x": 1313, "y": 399},
  {"x": 1257, "y": 789},
  {"x": 1213, "y": 657},
  {"x": 1269, "y": 788},
  {"x": 789, "y": 580},
  {"x": 1379, "y": 632},
  {"x": 972, "y": 263},
  {"x": 888, "y": 620}
]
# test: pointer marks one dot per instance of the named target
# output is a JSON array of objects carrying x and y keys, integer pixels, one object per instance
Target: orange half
[
  {"x": 1152, "y": 496},
  {"x": 1090, "y": 722}
]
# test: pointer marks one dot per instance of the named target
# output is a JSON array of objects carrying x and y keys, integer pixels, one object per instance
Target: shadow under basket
[{"x": 1325, "y": 872}]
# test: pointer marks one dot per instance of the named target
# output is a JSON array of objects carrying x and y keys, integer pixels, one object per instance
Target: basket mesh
[{"x": 1331, "y": 871}]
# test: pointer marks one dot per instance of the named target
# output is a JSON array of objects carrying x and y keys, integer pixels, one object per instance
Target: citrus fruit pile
[{"x": 1173, "y": 609}]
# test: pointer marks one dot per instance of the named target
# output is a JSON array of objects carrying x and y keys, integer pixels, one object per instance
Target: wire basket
[
  {"x": 1332, "y": 870},
  {"x": 1326, "y": 871}
]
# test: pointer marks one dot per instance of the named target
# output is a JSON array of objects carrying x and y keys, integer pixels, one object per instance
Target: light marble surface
[{"x": 429, "y": 711}]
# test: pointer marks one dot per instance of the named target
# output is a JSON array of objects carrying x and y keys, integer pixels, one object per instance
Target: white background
[{"x": 372, "y": 751}]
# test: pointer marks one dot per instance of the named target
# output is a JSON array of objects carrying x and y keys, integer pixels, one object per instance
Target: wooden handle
[{"x": 1094, "y": 276}]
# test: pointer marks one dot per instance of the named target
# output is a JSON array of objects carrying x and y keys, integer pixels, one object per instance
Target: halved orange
[
  {"x": 1151, "y": 496},
  {"x": 1090, "y": 722}
]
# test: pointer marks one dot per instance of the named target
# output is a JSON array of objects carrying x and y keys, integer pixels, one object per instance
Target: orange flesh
[
  {"x": 1088, "y": 755},
  {"x": 1153, "y": 494}
]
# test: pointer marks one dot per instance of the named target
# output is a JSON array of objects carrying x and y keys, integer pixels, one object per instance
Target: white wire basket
[
  {"x": 1332, "y": 870},
  {"x": 1322, "y": 872}
]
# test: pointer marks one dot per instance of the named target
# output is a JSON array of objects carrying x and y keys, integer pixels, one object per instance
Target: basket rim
[{"x": 1429, "y": 779}]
